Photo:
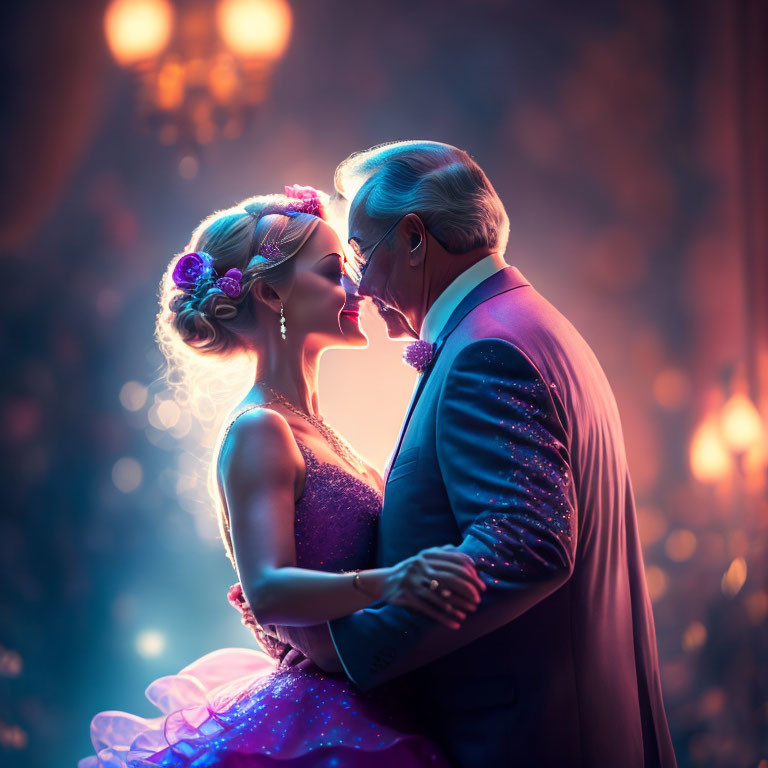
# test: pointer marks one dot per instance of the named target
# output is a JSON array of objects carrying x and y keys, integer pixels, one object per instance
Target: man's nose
[{"x": 362, "y": 289}]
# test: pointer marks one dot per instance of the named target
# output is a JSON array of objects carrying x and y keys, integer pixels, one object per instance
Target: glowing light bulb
[
  {"x": 137, "y": 29},
  {"x": 741, "y": 423},
  {"x": 255, "y": 28},
  {"x": 709, "y": 458}
]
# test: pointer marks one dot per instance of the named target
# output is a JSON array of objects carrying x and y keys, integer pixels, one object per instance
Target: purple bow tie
[{"x": 419, "y": 354}]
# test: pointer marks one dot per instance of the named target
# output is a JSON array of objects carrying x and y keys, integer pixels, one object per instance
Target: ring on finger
[{"x": 434, "y": 584}]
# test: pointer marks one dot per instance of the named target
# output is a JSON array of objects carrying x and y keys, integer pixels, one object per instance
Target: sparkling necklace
[{"x": 339, "y": 445}]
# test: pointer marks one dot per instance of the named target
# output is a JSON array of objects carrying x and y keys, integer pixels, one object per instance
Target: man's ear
[
  {"x": 414, "y": 229},
  {"x": 266, "y": 294}
]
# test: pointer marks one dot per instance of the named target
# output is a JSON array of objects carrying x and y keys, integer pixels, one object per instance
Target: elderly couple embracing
[{"x": 484, "y": 602}]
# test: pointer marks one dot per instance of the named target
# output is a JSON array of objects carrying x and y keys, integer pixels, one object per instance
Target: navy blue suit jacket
[{"x": 513, "y": 451}]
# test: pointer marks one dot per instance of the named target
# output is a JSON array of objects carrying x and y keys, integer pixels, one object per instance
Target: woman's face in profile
[{"x": 318, "y": 305}]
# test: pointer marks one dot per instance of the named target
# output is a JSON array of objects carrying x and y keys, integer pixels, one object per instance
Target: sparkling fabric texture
[
  {"x": 419, "y": 354},
  {"x": 336, "y": 518},
  {"x": 523, "y": 515},
  {"x": 238, "y": 707}
]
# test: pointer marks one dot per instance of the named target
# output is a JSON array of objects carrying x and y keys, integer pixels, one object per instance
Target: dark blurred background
[{"x": 627, "y": 140}]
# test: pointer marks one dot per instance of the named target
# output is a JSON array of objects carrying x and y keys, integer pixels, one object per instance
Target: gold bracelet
[{"x": 356, "y": 583}]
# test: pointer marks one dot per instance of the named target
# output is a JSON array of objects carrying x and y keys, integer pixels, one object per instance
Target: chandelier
[{"x": 201, "y": 66}]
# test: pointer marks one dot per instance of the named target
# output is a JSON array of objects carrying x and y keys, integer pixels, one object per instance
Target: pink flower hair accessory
[{"x": 309, "y": 198}]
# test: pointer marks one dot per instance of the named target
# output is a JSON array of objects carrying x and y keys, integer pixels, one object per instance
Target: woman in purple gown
[{"x": 298, "y": 512}]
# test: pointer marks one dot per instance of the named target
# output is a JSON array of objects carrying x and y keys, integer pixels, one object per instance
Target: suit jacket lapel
[{"x": 504, "y": 280}]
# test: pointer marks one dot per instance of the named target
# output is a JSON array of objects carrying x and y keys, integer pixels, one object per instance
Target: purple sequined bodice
[
  {"x": 335, "y": 528},
  {"x": 336, "y": 518}
]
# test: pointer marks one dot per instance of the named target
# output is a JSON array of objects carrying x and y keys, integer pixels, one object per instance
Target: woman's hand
[{"x": 458, "y": 584}]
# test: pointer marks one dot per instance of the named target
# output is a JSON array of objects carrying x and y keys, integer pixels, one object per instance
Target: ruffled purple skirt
[{"x": 237, "y": 708}]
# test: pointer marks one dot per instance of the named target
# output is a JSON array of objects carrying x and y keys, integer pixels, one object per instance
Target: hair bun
[
  {"x": 216, "y": 304},
  {"x": 224, "y": 311}
]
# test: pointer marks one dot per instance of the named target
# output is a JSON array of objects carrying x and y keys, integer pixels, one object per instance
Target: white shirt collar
[{"x": 442, "y": 308}]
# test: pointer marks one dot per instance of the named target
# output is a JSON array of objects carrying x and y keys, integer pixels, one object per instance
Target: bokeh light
[
  {"x": 735, "y": 577},
  {"x": 150, "y": 643},
  {"x": 188, "y": 167},
  {"x": 656, "y": 578},
  {"x": 671, "y": 388},
  {"x": 710, "y": 460},
  {"x": 138, "y": 29},
  {"x": 695, "y": 636},
  {"x": 741, "y": 424},
  {"x": 164, "y": 414},
  {"x": 680, "y": 545},
  {"x": 133, "y": 395},
  {"x": 257, "y": 28},
  {"x": 127, "y": 474}
]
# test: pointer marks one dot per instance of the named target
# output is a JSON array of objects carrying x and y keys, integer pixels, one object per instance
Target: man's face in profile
[{"x": 374, "y": 283}]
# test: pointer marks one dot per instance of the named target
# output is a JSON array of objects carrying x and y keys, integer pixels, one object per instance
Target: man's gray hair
[{"x": 441, "y": 183}]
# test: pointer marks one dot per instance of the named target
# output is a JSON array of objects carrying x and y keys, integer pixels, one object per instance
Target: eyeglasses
[{"x": 363, "y": 260}]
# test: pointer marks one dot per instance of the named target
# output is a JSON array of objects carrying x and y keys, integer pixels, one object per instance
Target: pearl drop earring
[{"x": 282, "y": 321}]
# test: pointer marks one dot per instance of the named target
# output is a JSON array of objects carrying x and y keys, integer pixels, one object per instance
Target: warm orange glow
[
  {"x": 709, "y": 457},
  {"x": 695, "y": 636},
  {"x": 757, "y": 606},
  {"x": 255, "y": 28},
  {"x": 680, "y": 545},
  {"x": 735, "y": 577},
  {"x": 223, "y": 80},
  {"x": 188, "y": 167},
  {"x": 170, "y": 85},
  {"x": 656, "y": 579},
  {"x": 741, "y": 423},
  {"x": 138, "y": 29},
  {"x": 671, "y": 388},
  {"x": 755, "y": 462},
  {"x": 651, "y": 524}
]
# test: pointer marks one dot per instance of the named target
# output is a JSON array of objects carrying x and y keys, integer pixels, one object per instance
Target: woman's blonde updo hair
[{"x": 206, "y": 318}]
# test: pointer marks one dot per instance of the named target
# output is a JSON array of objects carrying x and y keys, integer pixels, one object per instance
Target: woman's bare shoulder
[{"x": 260, "y": 442}]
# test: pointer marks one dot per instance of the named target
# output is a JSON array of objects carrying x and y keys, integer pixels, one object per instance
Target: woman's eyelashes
[{"x": 333, "y": 271}]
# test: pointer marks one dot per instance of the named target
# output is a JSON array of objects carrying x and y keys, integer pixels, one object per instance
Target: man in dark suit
[{"x": 512, "y": 450}]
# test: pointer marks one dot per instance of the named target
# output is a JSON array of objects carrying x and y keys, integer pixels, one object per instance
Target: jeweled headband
[{"x": 194, "y": 266}]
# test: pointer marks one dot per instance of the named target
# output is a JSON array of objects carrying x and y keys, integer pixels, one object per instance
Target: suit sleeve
[{"x": 503, "y": 452}]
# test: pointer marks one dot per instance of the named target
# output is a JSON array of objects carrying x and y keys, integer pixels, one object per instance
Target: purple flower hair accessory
[
  {"x": 189, "y": 269},
  {"x": 230, "y": 282}
]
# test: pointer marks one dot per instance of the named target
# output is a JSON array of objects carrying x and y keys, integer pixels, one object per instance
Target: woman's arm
[
  {"x": 262, "y": 471},
  {"x": 503, "y": 452}
]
